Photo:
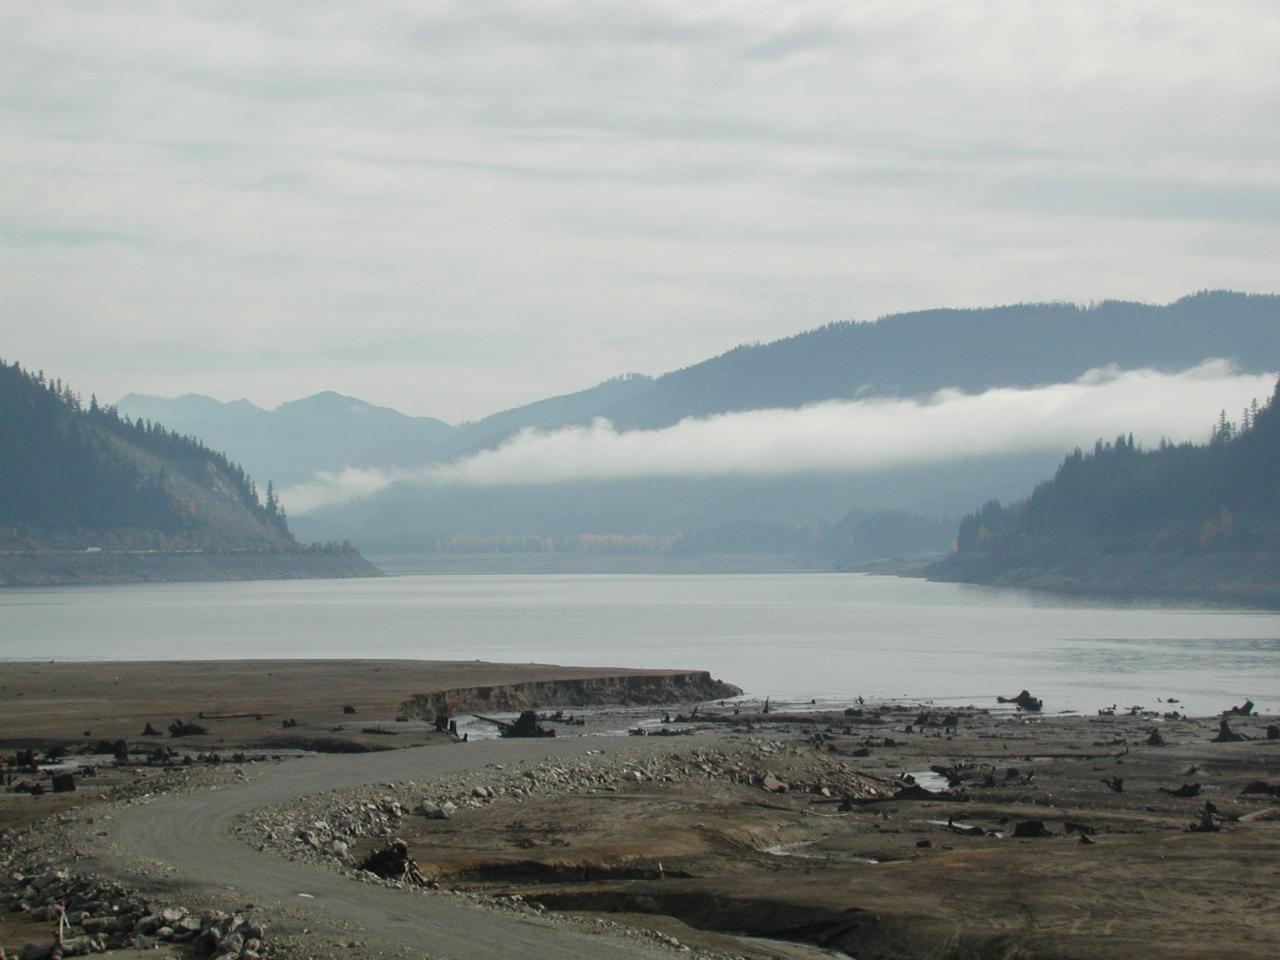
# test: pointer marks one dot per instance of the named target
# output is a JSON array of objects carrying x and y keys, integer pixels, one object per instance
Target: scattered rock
[{"x": 102, "y": 915}]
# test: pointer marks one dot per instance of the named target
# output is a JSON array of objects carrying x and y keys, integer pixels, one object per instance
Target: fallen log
[{"x": 393, "y": 862}]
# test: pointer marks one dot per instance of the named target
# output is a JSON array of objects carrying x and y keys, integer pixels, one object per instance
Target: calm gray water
[{"x": 790, "y": 636}]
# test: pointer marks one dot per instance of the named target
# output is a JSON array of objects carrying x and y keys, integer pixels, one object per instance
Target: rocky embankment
[
  {"x": 1073, "y": 567},
  {"x": 48, "y": 568},
  {"x": 626, "y": 690},
  {"x": 326, "y": 828},
  {"x": 93, "y": 915}
]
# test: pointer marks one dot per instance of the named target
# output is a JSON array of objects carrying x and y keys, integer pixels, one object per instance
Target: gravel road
[{"x": 191, "y": 833}]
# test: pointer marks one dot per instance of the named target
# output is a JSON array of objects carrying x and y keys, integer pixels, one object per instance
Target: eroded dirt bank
[
  {"x": 310, "y": 704},
  {"x": 626, "y": 690}
]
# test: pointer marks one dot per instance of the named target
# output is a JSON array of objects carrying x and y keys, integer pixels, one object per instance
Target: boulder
[
  {"x": 773, "y": 784},
  {"x": 435, "y": 811},
  {"x": 79, "y": 946}
]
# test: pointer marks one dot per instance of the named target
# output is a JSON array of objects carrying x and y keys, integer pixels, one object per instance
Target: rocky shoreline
[
  {"x": 64, "y": 568},
  {"x": 1069, "y": 567}
]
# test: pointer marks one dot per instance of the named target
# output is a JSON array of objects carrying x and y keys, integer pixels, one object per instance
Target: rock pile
[{"x": 95, "y": 915}]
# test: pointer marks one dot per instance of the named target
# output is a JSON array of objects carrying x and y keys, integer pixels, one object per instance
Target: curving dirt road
[{"x": 191, "y": 835}]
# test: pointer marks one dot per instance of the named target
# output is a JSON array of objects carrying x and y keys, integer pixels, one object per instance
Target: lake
[{"x": 789, "y": 636}]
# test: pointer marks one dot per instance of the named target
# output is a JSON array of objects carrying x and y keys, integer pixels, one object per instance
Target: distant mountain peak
[{"x": 188, "y": 401}]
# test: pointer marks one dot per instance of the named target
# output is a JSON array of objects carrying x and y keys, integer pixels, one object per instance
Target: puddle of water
[
  {"x": 963, "y": 825},
  {"x": 478, "y": 729},
  {"x": 765, "y": 941},
  {"x": 929, "y": 780},
  {"x": 74, "y": 763},
  {"x": 798, "y": 848}
]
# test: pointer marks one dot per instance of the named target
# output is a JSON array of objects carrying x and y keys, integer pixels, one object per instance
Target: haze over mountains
[{"x": 856, "y": 392}]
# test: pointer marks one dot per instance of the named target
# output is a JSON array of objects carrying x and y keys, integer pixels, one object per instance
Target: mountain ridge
[{"x": 900, "y": 355}]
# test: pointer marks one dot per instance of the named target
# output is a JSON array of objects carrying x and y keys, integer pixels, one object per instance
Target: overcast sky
[{"x": 451, "y": 208}]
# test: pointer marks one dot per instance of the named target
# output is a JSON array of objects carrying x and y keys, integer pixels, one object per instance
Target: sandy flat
[{"x": 76, "y": 701}]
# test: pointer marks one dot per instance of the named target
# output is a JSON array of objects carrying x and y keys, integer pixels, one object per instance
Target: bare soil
[{"x": 711, "y": 861}]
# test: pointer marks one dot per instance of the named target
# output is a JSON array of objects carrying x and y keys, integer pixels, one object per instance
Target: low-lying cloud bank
[{"x": 841, "y": 436}]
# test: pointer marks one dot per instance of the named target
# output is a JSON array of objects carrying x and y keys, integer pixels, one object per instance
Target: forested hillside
[
  {"x": 1190, "y": 511},
  {"x": 72, "y": 474},
  {"x": 975, "y": 349}
]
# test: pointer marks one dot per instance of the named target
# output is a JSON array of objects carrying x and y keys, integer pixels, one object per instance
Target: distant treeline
[
  {"x": 1221, "y": 495},
  {"x": 61, "y": 471},
  {"x": 857, "y": 538}
]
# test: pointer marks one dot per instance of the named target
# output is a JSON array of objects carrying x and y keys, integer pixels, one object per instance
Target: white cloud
[
  {"x": 329, "y": 487},
  {"x": 844, "y": 437}
]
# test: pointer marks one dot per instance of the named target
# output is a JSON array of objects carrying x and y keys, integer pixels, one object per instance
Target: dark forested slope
[
  {"x": 1186, "y": 518},
  {"x": 77, "y": 479}
]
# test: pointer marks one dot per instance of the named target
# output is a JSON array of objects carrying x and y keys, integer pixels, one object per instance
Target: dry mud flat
[
  {"x": 327, "y": 705},
  {"x": 754, "y": 836},
  {"x": 798, "y": 830}
]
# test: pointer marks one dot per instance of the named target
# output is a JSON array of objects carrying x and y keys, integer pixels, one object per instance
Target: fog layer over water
[{"x": 792, "y": 636}]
